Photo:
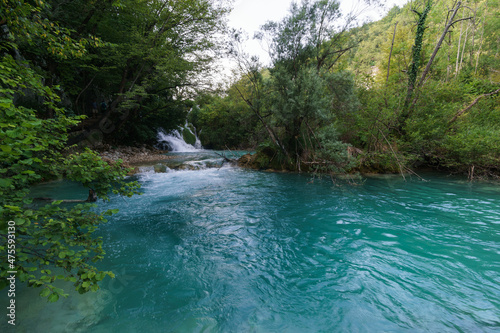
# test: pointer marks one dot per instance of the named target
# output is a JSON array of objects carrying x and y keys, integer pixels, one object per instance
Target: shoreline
[
  {"x": 135, "y": 157},
  {"x": 132, "y": 157}
]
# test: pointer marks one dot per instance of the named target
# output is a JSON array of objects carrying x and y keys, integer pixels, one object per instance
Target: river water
[{"x": 233, "y": 250}]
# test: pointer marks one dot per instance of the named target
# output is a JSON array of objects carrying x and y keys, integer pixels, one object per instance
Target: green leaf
[
  {"x": 53, "y": 298},
  {"x": 100, "y": 276},
  {"x": 45, "y": 292},
  {"x": 19, "y": 221},
  {"x": 6, "y": 149},
  {"x": 5, "y": 182},
  {"x": 14, "y": 208}
]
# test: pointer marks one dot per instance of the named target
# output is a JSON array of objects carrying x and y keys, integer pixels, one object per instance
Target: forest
[{"x": 417, "y": 89}]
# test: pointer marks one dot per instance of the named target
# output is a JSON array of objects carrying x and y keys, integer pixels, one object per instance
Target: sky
[{"x": 249, "y": 15}]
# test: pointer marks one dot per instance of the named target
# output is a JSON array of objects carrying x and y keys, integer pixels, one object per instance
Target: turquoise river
[{"x": 232, "y": 250}]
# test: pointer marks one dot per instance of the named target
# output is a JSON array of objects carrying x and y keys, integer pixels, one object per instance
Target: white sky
[{"x": 250, "y": 15}]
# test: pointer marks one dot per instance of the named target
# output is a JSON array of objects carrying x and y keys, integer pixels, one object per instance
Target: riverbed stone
[{"x": 160, "y": 168}]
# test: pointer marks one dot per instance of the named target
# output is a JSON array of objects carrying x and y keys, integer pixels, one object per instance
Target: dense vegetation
[
  {"x": 449, "y": 120},
  {"x": 83, "y": 71},
  {"x": 417, "y": 88}
]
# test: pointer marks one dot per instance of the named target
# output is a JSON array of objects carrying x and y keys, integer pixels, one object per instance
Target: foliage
[
  {"x": 142, "y": 58},
  {"x": 333, "y": 153},
  {"x": 426, "y": 135},
  {"x": 300, "y": 94},
  {"x": 393, "y": 121},
  {"x": 224, "y": 121},
  {"x": 416, "y": 57},
  {"x": 53, "y": 241}
]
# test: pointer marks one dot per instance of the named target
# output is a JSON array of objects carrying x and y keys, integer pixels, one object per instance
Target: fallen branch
[
  {"x": 234, "y": 155},
  {"x": 226, "y": 158},
  {"x": 461, "y": 112},
  {"x": 401, "y": 165},
  {"x": 395, "y": 156}
]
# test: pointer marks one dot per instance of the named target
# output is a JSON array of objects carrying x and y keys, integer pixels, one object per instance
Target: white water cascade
[{"x": 176, "y": 143}]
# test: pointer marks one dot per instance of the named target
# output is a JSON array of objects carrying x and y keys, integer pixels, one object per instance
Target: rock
[
  {"x": 259, "y": 161},
  {"x": 186, "y": 167},
  {"x": 245, "y": 160},
  {"x": 160, "y": 168},
  {"x": 131, "y": 155}
]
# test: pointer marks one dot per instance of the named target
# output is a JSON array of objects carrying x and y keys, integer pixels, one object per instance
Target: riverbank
[
  {"x": 132, "y": 157},
  {"x": 370, "y": 165}
]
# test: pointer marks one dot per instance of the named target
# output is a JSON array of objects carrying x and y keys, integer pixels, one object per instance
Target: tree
[
  {"x": 151, "y": 62},
  {"x": 225, "y": 122},
  {"x": 251, "y": 87},
  {"x": 304, "y": 47},
  {"x": 416, "y": 57},
  {"x": 443, "y": 122},
  {"x": 43, "y": 243}
]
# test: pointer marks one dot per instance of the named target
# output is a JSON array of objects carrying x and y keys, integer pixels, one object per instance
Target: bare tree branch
[{"x": 461, "y": 112}]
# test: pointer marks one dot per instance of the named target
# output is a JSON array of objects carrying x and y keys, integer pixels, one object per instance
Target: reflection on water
[{"x": 232, "y": 250}]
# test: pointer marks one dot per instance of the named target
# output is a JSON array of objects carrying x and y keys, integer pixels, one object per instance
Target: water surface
[{"x": 233, "y": 250}]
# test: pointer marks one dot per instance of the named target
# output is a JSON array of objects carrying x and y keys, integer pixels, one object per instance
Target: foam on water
[{"x": 176, "y": 143}]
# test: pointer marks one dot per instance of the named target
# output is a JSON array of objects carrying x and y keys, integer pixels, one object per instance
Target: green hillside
[{"x": 440, "y": 129}]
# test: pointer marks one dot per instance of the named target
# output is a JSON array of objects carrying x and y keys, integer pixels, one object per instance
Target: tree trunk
[
  {"x": 480, "y": 47},
  {"x": 448, "y": 68},
  {"x": 449, "y": 24},
  {"x": 474, "y": 26},
  {"x": 458, "y": 48},
  {"x": 415, "y": 64},
  {"x": 463, "y": 47},
  {"x": 390, "y": 53}
]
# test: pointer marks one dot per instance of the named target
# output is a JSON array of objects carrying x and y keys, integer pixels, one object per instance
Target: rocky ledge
[{"x": 132, "y": 157}]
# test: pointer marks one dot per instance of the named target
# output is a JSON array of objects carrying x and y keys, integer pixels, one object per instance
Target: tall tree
[
  {"x": 304, "y": 47},
  {"x": 416, "y": 57},
  {"x": 449, "y": 23}
]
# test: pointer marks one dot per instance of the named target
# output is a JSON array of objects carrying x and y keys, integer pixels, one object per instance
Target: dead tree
[
  {"x": 390, "y": 53},
  {"x": 449, "y": 23}
]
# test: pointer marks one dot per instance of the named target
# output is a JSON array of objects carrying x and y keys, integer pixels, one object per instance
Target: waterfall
[{"x": 175, "y": 140}]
